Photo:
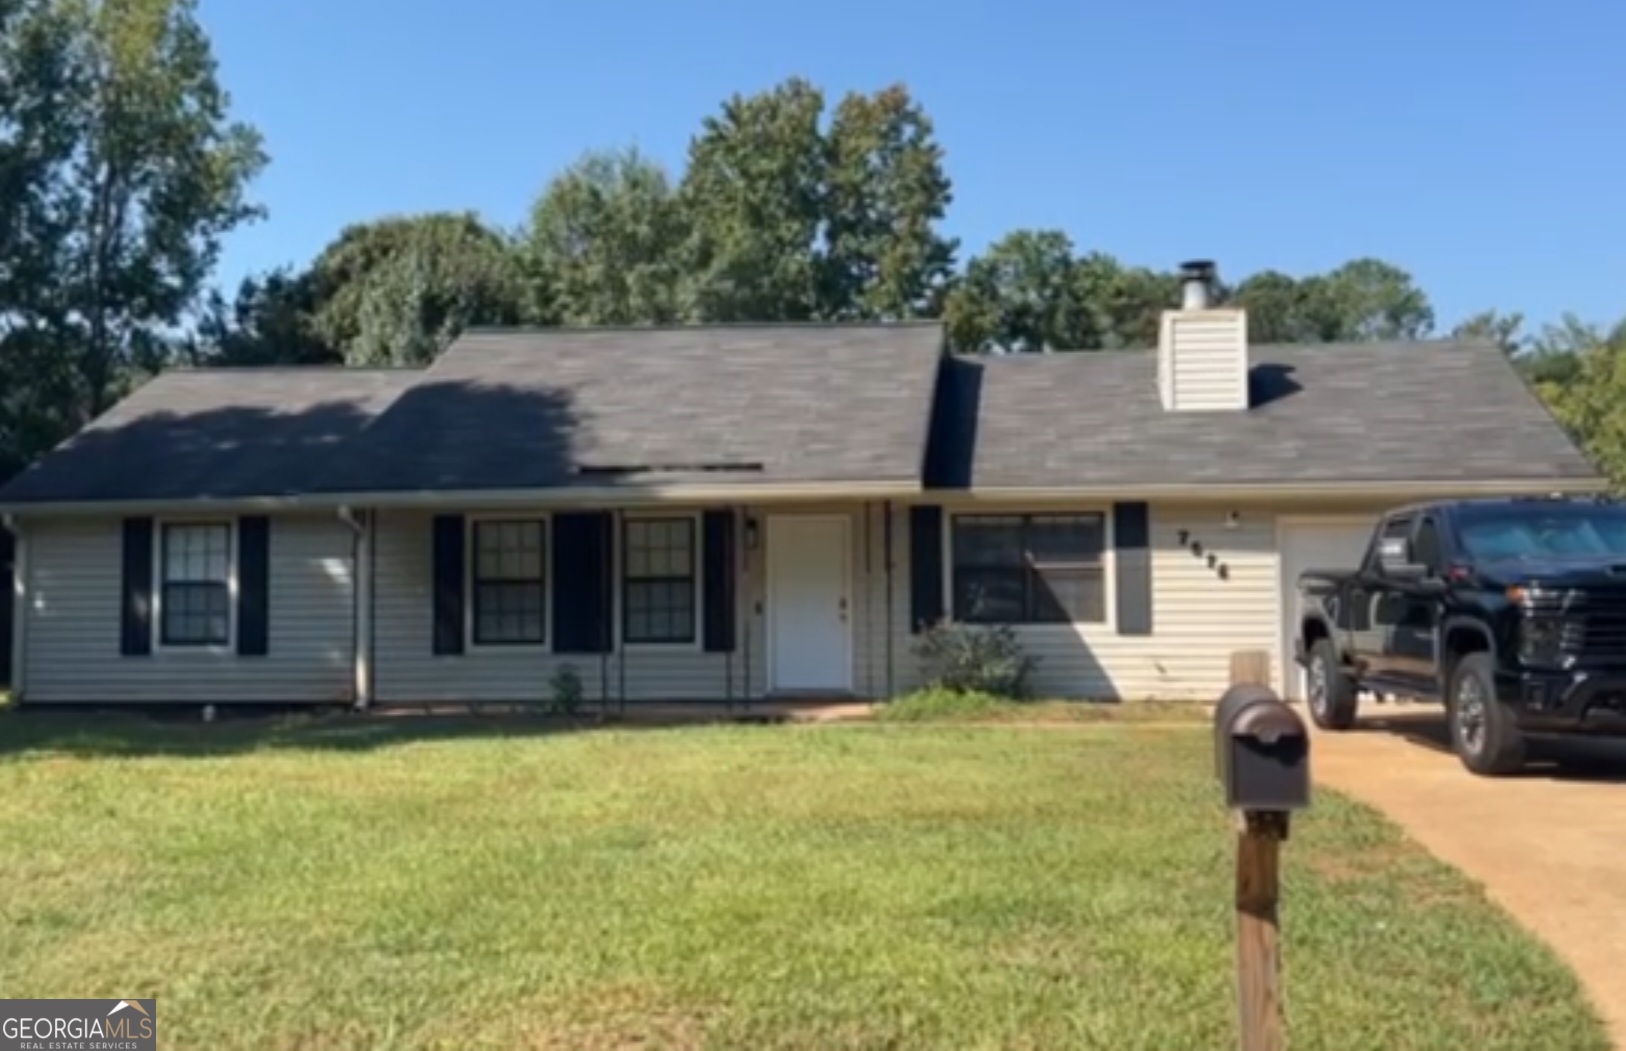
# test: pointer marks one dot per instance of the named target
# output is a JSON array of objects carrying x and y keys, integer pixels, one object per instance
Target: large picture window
[
  {"x": 1029, "y": 569},
  {"x": 195, "y": 604},
  {"x": 658, "y": 580},
  {"x": 510, "y": 582}
]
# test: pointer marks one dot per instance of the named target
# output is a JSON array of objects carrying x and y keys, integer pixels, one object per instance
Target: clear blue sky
[{"x": 1477, "y": 144}]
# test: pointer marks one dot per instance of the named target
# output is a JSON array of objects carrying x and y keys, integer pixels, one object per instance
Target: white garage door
[{"x": 1310, "y": 544}]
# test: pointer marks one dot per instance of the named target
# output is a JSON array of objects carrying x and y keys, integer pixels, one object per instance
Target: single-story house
[{"x": 736, "y": 511}]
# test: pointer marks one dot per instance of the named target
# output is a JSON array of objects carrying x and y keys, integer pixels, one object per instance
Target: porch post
[
  {"x": 364, "y": 527},
  {"x": 886, "y": 571},
  {"x": 745, "y": 598},
  {"x": 19, "y": 610}
]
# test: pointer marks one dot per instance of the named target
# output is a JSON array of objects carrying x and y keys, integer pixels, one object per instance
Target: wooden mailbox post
[{"x": 1262, "y": 759}]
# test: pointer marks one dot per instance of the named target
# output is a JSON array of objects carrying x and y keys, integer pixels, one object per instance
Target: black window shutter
[
  {"x": 1131, "y": 528},
  {"x": 253, "y": 586},
  {"x": 582, "y": 600},
  {"x": 717, "y": 587},
  {"x": 448, "y": 596},
  {"x": 135, "y": 636},
  {"x": 925, "y": 566}
]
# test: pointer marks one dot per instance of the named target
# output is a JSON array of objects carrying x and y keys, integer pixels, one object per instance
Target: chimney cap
[{"x": 1199, "y": 269}]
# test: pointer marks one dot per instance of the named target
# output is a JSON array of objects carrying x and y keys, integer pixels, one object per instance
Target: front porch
[{"x": 735, "y": 605}]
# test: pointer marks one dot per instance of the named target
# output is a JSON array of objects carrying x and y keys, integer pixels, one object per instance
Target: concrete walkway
[{"x": 1549, "y": 845}]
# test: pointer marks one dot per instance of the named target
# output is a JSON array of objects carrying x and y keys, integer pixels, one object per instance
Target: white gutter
[
  {"x": 1278, "y": 491},
  {"x": 564, "y": 496},
  {"x": 633, "y": 496}
]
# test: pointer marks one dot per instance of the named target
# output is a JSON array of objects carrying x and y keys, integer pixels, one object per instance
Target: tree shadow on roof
[
  {"x": 243, "y": 452},
  {"x": 460, "y": 434}
]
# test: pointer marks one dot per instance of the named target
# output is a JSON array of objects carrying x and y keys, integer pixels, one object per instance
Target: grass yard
[{"x": 416, "y": 884}]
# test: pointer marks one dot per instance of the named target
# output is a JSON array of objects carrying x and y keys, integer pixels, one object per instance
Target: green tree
[
  {"x": 1023, "y": 294},
  {"x": 1493, "y": 326},
  {"x": 1030, "y": 292},
  {"x": 1125, "y": 303},
  {"x": 1362, "y": 301},
  {"x": 1275, "y": 305},
  {"x": 753, "y": 197},
  {"x": 396, "y": 291},
  {"x": 885, "y": 191},
  {"x": 270, "y": 321},
  {"x": 789, "y": 221},
  {"x": 604, "y": 242},
  {"x": 122, "y": 171},
  {"x": 1588, "y": 396}
]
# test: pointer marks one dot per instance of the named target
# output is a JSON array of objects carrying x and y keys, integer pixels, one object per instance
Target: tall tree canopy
[
  {"x": 122, "y": 170},
  {"x": 1023, "y": 294},
  {"x": 604, "y": 242},
  {"x": 270, "y": 321},
  {"x": 885, "y": 191},
  {"x": 790, "y": 221},
  {"x": 1363, "y": 300},
  {"x": 752, "y": 193},
  {"x": 1587, "y": 392},
  {"x": 396, "y": 291}
]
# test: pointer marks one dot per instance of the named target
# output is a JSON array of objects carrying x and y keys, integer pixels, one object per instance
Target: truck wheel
[
  {"x": 1483, "y": 731},
  {"x": 1332, "y": 693}
]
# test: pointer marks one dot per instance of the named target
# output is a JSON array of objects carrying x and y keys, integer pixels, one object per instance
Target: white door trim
[
  {"x": 844, "y": 682},
  {"x": 1284, "y": 523}
]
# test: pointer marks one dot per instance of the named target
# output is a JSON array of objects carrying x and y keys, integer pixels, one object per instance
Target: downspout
[
  {"x": 19, "y": 608},
  {"x": 361, "y": 611}
]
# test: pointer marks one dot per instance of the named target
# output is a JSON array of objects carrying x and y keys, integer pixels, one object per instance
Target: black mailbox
[{"x": 1262, "y": 751}]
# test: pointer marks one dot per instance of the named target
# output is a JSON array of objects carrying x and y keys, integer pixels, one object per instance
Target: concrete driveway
[{"x": 1548, "y": 845}]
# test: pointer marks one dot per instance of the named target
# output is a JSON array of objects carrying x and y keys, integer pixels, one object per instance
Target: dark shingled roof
[
  {"x": 213, "y": 433},
  {"x": 848, "y": 403},
  {"x": 515, "y": 409},
  {"x": 1335, "y": 413}
]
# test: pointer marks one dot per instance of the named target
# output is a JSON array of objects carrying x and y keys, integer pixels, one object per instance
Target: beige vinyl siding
[
  {"x": 1198, "y": 616},
  {"x": 408, "y": 672},
  {"x": 1203, "y": 359},
  {"x": 73, "y": 612}
]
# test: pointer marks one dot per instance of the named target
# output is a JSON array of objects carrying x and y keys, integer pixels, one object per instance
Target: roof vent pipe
[{"x": 1196, "y": 285}]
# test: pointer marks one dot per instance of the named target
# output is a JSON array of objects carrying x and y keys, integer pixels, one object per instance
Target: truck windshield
[{"x": 1537, "y": 531}]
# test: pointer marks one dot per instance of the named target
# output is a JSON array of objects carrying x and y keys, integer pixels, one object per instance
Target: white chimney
[{"x": 1202, "y": 350}]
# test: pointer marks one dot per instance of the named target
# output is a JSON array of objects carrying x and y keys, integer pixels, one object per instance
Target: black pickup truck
[{"x": 1512, "y": 612}]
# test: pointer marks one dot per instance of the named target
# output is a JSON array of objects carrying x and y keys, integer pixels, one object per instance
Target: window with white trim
[
  {"x": 1029, "y": 569},
  {"x": 510, "y": 582},
  {"x": 195, "y": 601},
  {"x": 658, "y": 580}
]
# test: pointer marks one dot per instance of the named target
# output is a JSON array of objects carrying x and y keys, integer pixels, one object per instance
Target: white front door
[
  {"x": 1308, "y": 544},
  {"x": 809, "y": 637}
]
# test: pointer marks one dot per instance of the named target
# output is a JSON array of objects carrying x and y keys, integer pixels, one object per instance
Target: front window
[
  {"x": 658, "y": 580},
  {"x": 1542, "y": 530},
  {"x": 510, "y": 582},
  {"x": 196, "y": 600},
  {"x": 1029, "y": 569}
]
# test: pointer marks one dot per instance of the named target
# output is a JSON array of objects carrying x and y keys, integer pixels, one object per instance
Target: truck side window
[
  {"x": 1425, "y": 546},
  {"x": 1394, "y": 529}
]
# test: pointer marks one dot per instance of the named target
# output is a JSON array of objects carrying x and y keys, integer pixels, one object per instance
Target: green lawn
[{"x": 409, "y": 884}]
